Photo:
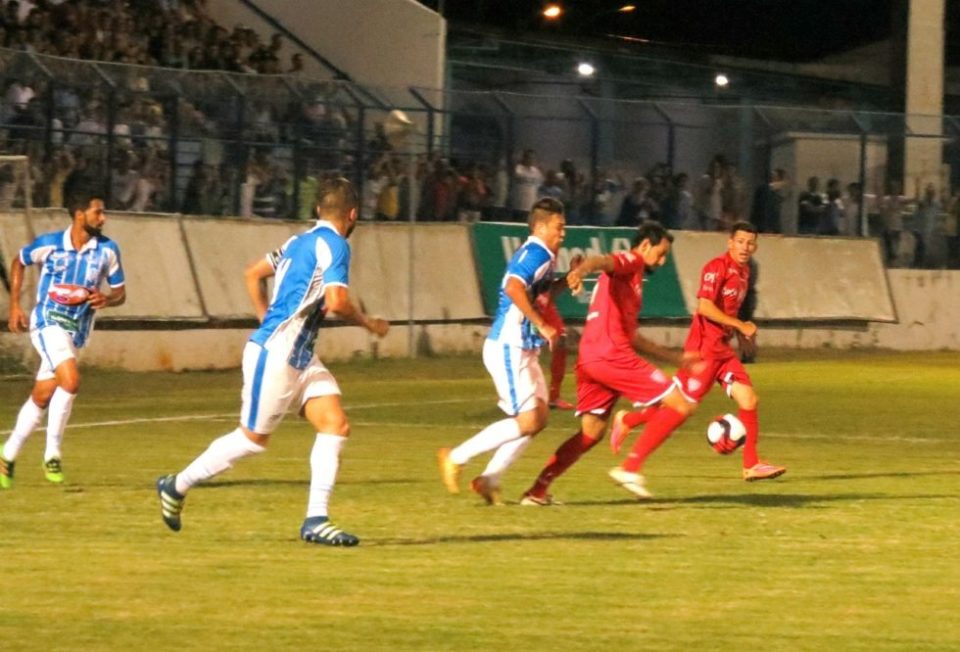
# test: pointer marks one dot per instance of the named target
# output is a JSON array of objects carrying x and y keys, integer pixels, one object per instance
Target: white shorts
[
  {"x": 55, "y": 347},
  {"x": 270, "y": 385},
  {"x": 517, "y": 376}
]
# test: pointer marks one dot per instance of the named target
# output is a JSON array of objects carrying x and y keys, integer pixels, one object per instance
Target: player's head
[
  {"x": 337, "y": 202},
  {"x": 652, "y": 242},
  {"x": 87, "y": 211},
  {"x": 548, "y": 223},
  {"x": 742, "y": 242}
]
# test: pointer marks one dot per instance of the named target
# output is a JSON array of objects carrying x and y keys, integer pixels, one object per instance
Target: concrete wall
[{"x": 398, "y": 43}]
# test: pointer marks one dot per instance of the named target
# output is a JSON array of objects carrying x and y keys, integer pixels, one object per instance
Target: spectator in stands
[
  {"x": 707, "y": 197},
  {"x": 929, "y": 252},
  {"x": 685, "y": 217},
  {"x": 574, "y": 187},
  {"x": 553, "y": 186},
  {"x": 891, "y": 218},
  {"x": 56, "y": 170},
  {"x": 767, "y": 202},
  {"x": 475, "y": 195},
  {"x": 601, "y": 198},
  {"x": 527, "y": 179},
  {"x": 123, "y": 182},
  {"x": 733, "y": 197},
  {"x": 851, "y": 210},
  {"x": 810, "y": 208},
  {"x": 638, "y": 206},
  {"x": 833, "y": 212},
  {"x": 296, "y": 63}
]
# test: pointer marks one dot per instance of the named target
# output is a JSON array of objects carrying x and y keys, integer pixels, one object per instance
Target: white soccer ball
[{"x": 726, "y": 434}]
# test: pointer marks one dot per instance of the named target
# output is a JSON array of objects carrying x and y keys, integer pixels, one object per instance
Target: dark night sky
[{"x": 787, "y": 30}]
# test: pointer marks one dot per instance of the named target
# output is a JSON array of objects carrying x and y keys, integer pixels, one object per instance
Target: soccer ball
[{"x": 726, "y": 434}]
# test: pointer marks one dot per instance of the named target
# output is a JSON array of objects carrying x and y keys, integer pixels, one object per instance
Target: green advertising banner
[{"x": 496, "y": 243}]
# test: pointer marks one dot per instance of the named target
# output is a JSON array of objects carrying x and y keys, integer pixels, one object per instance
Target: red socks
[
  {"x": 749, "y": 419},
  {"x": 634, "y": 419},
  {"x": 660, "y": 426},
  {"x": 568, "y": 453}
]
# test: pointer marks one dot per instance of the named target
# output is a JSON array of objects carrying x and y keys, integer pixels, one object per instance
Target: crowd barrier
[{"x": 185, "y": 285}]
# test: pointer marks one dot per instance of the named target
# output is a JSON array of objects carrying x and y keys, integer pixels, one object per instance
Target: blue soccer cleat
[
  {"x": 319, "y": 529},
  {"x": 171, "y": 503}
]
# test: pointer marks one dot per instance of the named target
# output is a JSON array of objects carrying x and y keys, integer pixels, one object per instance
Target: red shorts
[
  {"x": 547, "y": 308},
  {"x": 725, "y": 371},
  {"x": 601, "y": 382}
]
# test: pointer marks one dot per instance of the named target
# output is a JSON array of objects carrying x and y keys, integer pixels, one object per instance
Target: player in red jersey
[
  {"x": 723, "y": 286},
  {"x": 547, "y": 307},
  {"x": 608, "y": 366}
]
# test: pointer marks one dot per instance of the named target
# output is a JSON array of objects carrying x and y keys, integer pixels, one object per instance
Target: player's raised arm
[
  {"x": 517, "y": 291},
  {"x": 590, "y": 265},
  {"x": 337, "y": 299},
  {"x": 18, "y": 319},
  {"x": 255, "y": 280},
  {"x": 711, "y": 311}
]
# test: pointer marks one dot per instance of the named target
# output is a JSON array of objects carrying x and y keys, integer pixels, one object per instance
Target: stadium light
[
  {"x": 626, "y": 9},
  {"x": 586, "y": 69},
  {"x": 552, "y": 11},
  {"x": 721, "y": 80}
]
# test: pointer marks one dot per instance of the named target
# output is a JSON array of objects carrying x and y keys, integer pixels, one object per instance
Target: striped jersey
[
  {"x": 533, "y": 264},
  {"x": 61, "y": 263},
  {"x": 305, "y": 266}
]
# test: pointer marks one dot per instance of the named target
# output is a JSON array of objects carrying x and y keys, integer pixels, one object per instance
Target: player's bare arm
[
  {"x": 709, "y": 309},
  {"x": 18, "y": 319},
  {"x": 254, "y": 279},
  {"x": 560, "y": 284},
  {"x": 517, "y": 292},
  {"x": 337, "y": 299},
  {"x": 117, "y": 297},
  {"x": 589, "y": 265}
]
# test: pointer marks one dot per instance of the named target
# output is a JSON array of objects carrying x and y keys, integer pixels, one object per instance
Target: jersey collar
[
  {"x": 68, "y": 242},
  {"x": 535, "y": 240},
  {"x": 326, "y": 224}
]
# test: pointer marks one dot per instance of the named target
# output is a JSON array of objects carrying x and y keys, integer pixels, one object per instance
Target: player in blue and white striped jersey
[
  {"x": 78, "y": 261},
  {"x": 279, "y": 366},
  {"x": 510, "y": 354}
]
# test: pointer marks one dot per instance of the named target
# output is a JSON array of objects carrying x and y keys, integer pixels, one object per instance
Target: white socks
[
  {"x": 61, "y": 405},
  {"x": 27, "y": 421},
  {"x": 505, "y": 456},
  {"x": 219, "y": 456},
  {"x": 493, "y": 436},
  {"x": 324, "y": 462}
]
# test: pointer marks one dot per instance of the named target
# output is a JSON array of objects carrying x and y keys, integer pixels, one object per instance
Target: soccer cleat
[
  {"x": 53, "y": 470},
  {"x": 531, "y": 500},
  {"x": 632, "y": 482},
  {"x": 6, "y": 473},
  {"x": 488, "y": 489},
  {"x": 319, "y": 529},
  {"x": 763, "y": 471},
  {"x": 560, "y": 404},
  {"x": 171, "y": 503},
  {"x": 449, "y": 472}
]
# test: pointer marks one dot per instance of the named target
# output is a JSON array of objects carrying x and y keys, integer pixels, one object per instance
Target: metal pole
[{"x": 411, "y": 247}]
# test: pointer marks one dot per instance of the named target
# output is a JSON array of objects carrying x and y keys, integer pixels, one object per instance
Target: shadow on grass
[
  {"x": 752, "y": 500},
  {"x": 279, "y": 482},
  {"x": 518, "y": 536},
  {"x": 866, "y": 476}
]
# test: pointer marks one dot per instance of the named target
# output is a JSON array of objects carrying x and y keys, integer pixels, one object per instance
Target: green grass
[{"x": 856, "y": 548}]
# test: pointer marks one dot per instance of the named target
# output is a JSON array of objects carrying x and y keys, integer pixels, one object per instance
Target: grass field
[{"x": 857, "y": 547}]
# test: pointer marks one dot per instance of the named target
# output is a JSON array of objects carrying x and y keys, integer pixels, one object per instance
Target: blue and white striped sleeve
[
  {"x": 115, "y": 275},
  {"x": 528, "y": 266},
  {"x": 333, "y": 257},
  {"x": 38, "y": 250}
]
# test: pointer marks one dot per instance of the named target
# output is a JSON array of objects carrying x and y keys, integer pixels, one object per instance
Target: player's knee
[
  {"x": 532, "y": 422},
  {"x": 41, "y": 396},
  {"x": 334, "y": 424},
  {"x": 747, "y": 399}
]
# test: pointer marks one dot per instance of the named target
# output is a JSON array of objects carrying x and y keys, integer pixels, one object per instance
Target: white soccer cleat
[{"x": 632, "y": 482}]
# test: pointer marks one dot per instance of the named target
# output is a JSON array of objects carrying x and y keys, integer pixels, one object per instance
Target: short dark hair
[
  {"x": 543, "y": 209},
  {"x": 653, "y": 231},
  {"x": 743, "y": 225},
  {"x": 79, "y": 200},
  {"x": 336, "y": 196}
]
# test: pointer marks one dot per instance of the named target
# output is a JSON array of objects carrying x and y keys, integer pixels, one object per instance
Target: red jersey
[
  {"x": 724, "y": 282},
  {"x": 614, "y": 308}
]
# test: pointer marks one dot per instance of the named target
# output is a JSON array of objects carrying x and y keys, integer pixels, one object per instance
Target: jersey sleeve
[
  {"x": 711, "y": 281},
  {"x": 333, "y": 256},
  {"x": 273, "y": 258},
  {"x": 626, "y": 263},
  {"x": 38, "y": 250},
  {"x": 115, "y": 275},
  {"x": 528, "y": 265}
]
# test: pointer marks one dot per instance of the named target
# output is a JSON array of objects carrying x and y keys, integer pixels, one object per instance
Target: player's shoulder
[
  {"x": 108, "y": 243},
  {"x": 717, "y": 264},
  {"x": 51, "y": 238}
]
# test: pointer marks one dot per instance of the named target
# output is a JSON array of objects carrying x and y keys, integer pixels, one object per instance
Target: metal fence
[{"x": 230, "y": 144}]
